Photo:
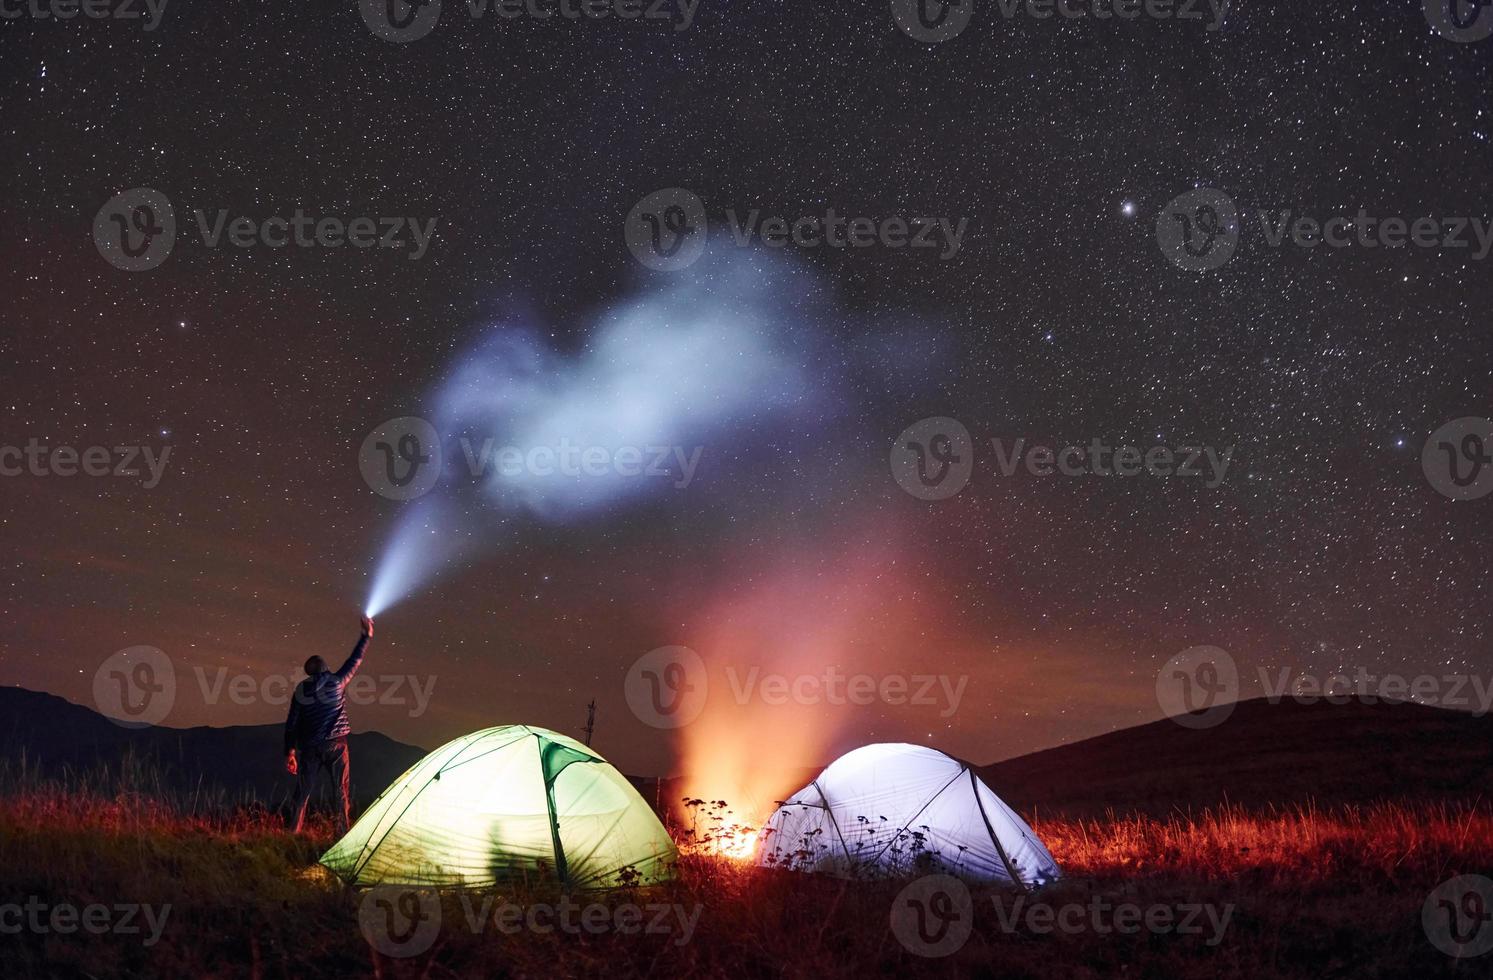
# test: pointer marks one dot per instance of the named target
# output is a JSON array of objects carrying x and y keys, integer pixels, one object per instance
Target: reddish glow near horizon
[{"x": 855, "y": 612}]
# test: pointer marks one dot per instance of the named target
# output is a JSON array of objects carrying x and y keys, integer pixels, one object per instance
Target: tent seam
[
  {"x": 358, "y": 869},
  {"x": 974, "y": 786},
  {"x": 832, "y": 821},
  {"x": 918, "y": 814}
]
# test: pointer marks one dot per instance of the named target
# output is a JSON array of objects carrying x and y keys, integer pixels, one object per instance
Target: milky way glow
[{"x": 679, "y": 378}]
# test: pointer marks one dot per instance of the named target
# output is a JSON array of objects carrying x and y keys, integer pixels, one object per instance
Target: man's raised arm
[{"x": 356, "y": 660}]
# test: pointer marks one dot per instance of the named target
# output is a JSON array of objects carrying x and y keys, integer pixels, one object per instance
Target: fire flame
[
  {"x": 846, "y": 611},
  {"x": 713, "y": 830}
]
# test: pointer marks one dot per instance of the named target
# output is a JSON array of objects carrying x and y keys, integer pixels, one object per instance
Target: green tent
[{"x": 506, "y": 805}]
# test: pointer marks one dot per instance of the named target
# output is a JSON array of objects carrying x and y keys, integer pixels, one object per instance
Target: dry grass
[
  {"x": 1293, "y": 843},
  {"x": 1316, "y": 892}
]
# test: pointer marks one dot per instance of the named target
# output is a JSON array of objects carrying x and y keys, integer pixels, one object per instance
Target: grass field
[{"x": 1299, "y": 893}]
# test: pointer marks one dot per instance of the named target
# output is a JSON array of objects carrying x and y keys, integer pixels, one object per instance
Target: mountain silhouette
[
  {"x": 1283, "y": 753},
  {"x": 1263, "y": 754},
  {"x": 244, "y": 761}
]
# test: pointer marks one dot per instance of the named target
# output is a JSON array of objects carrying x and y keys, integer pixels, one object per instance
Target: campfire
[{"x": 712, "y": 828}]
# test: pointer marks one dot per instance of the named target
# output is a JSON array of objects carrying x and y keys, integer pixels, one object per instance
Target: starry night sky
[{"x": 1059, "y": 321}]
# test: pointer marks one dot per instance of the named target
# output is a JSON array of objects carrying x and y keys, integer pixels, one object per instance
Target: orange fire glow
[{"x": 772, "y": 645}]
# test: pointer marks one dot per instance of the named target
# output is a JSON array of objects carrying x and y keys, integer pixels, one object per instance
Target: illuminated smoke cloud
[{"x": 719, "y": 363}]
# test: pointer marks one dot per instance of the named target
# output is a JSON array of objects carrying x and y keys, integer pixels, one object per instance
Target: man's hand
[
  {"x": 290, "y": 763},
  {"x": 367, "y": 626}
]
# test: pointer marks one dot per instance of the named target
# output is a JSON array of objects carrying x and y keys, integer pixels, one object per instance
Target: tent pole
[
  {"x": 561, "y": 868},
  {"x": 845, "y": 848},
  {"x": 974, "y": 785}
]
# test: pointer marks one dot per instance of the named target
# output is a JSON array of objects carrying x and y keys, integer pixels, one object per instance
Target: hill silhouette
[
  {"x": 1263, "y": 753},
  {"x": 51, "y": 733}
]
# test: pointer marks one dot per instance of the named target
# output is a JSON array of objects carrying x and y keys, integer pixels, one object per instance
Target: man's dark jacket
[{"x": 318, "y": 712}]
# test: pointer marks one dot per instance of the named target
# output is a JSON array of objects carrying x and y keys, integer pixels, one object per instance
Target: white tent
[
  {"x": 506, "y": 805},
  {"x": 892, "y": 809}
]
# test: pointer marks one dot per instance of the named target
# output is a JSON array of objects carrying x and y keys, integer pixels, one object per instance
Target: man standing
[{"x": 316, "y": 731}]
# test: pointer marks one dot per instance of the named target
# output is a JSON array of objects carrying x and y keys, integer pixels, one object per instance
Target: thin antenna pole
[{"x": 590, "y": 721}]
